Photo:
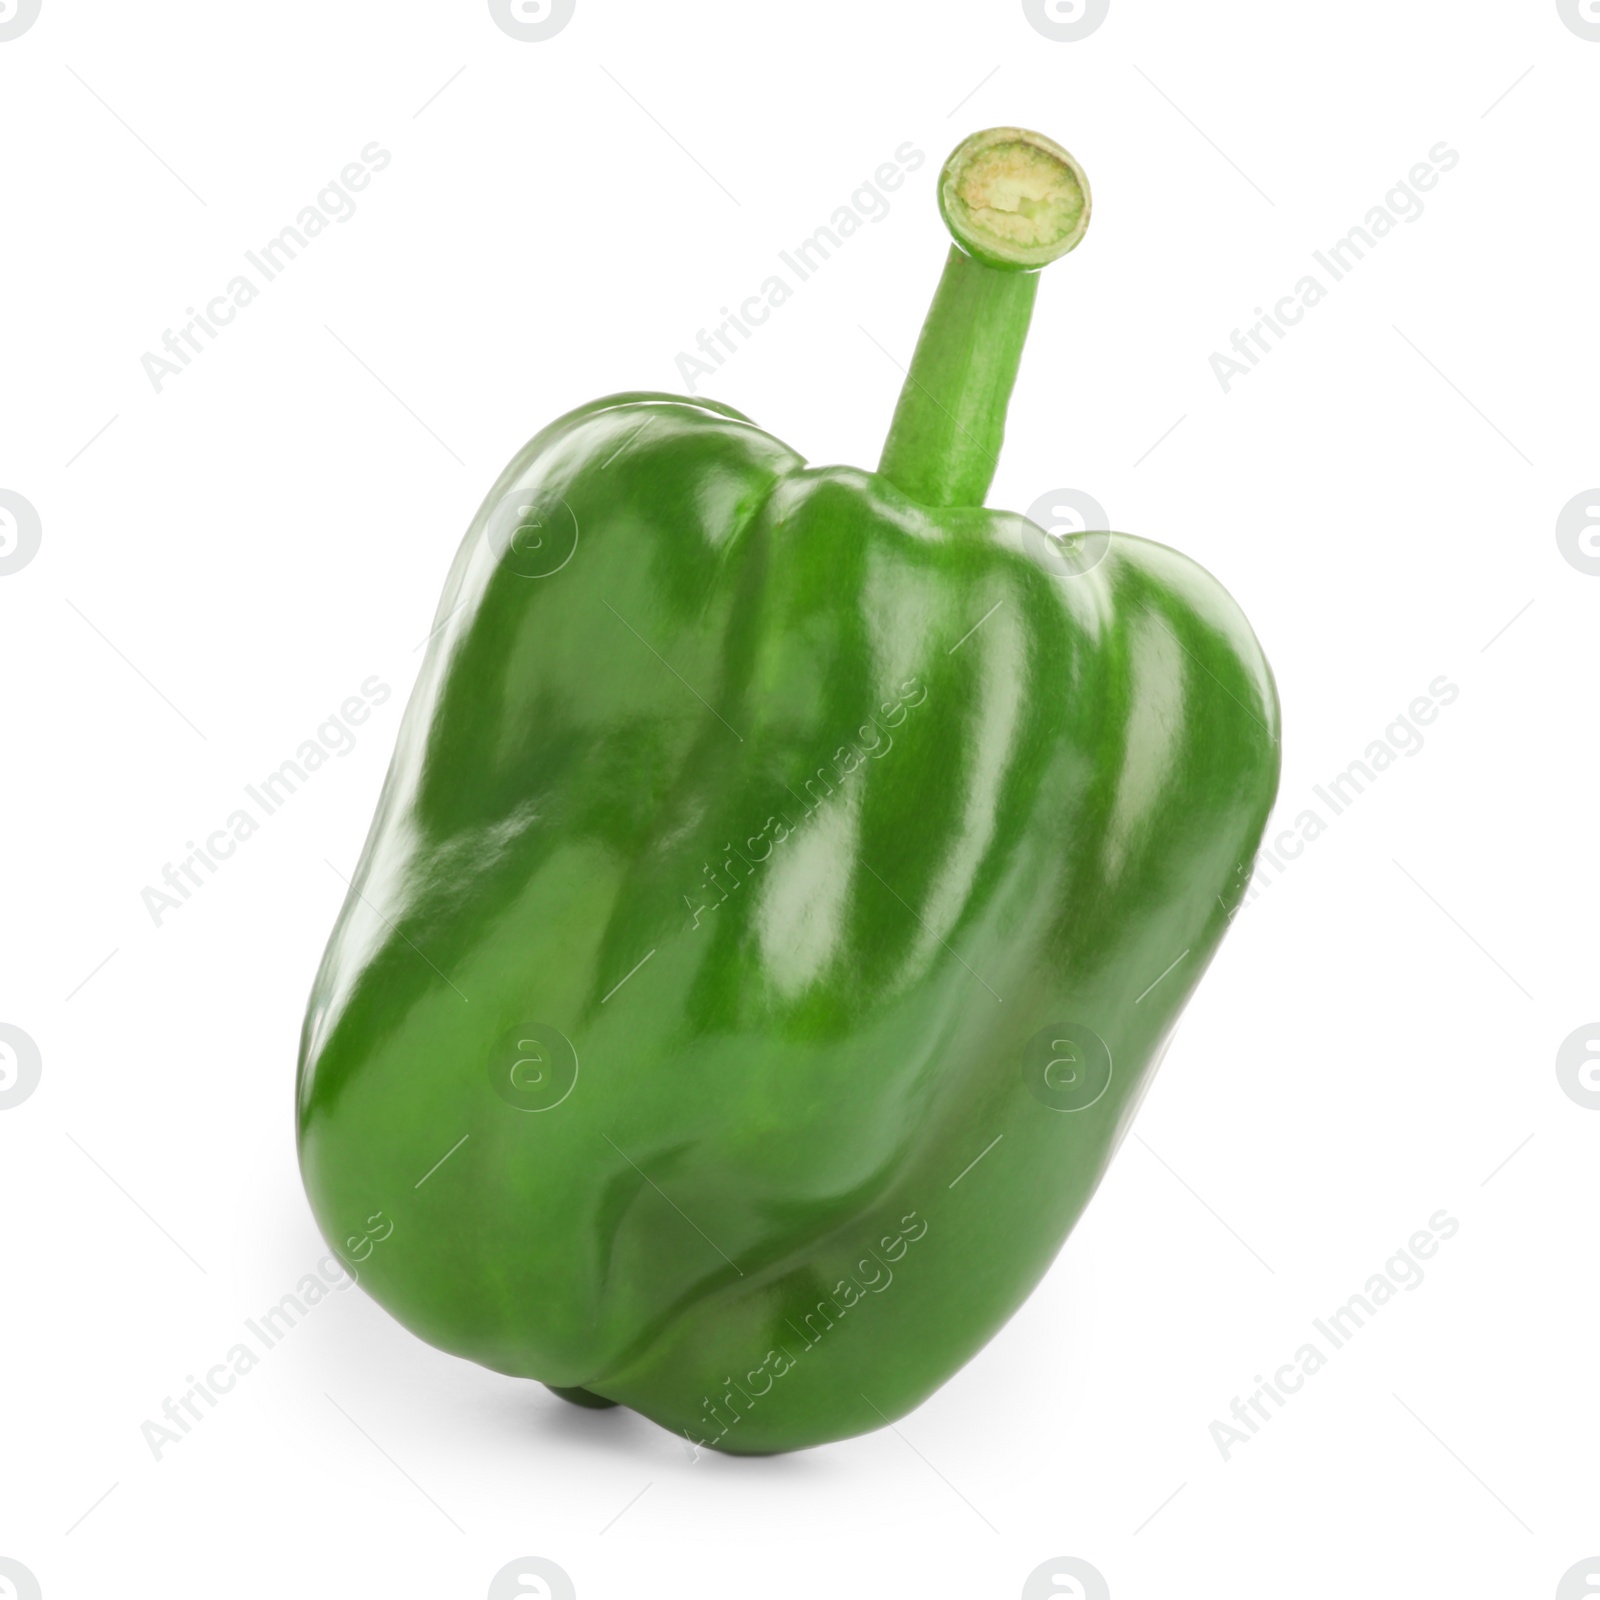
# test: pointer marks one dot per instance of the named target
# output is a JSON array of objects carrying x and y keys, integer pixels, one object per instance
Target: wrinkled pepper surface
[{"x": 785, "y": 884}]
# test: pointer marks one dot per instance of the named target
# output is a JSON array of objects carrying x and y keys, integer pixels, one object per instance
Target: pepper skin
[{"x": 785, "y": 884}]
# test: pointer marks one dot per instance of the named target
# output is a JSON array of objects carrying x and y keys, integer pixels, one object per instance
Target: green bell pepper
[{"x": 785, "y": 885}]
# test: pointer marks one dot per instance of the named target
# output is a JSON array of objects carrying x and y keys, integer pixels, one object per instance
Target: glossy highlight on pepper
[{"x": 784, "y": 887}]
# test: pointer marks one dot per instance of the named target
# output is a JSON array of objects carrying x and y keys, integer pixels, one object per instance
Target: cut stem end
[{"x": 1014, "y": 199}]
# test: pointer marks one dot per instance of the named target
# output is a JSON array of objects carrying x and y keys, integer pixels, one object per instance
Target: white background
[{"x": 229, "y": 559}]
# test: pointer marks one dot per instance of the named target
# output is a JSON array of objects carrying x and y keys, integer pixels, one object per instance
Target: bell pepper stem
[
  {"x": 944, "y": 443},
  {"x": 1013, "y": 202}
]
